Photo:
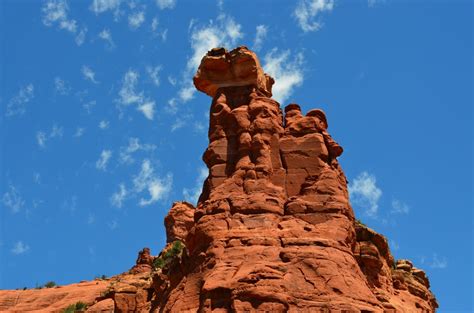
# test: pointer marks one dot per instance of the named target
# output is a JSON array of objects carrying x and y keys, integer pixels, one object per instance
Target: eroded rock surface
[{"x": 273, "y": 230}]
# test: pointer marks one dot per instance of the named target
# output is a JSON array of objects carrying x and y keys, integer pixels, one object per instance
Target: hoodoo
[{"x": 273, "y": 230}]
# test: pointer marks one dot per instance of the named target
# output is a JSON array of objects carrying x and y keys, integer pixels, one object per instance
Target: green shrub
[
  {"x": 50, "y": 284},
  {"x": 169, "y": 255},
  {"x": 78, "y": 306}
]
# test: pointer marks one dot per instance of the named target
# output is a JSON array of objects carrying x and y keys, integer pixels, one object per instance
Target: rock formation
[{"x": 273, "y": 230}]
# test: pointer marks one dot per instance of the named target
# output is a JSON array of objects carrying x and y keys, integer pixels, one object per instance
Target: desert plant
[
  {"x": 169, "y": 255},
  {"x": 78, "y": 306},
  {"x": 50, "y": 284}
]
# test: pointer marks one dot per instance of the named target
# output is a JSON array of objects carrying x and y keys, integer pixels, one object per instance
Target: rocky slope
[{"x": 273, "y": 230}]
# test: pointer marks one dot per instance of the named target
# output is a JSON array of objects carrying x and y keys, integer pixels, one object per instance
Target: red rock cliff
[{"x": 273, "y": 230}]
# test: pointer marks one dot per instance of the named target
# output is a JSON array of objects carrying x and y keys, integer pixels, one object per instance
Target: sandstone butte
[{"x": 273, "y": 230}]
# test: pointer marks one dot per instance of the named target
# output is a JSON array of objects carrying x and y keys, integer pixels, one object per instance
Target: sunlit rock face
[{"x": 273, "y": 230}]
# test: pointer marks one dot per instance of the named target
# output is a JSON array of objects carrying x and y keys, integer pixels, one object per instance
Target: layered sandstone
[{"x": 273, "y": 230}]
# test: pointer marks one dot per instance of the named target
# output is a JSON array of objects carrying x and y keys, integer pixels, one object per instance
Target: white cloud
[
  {"x": 365, "y": 193},
  {"x": 100, "y": 6},
  {"x": 104, "y": 124},
  {"x": 88, "y": 74},
  {"x": 186, "y": 93},
  {"x": 260, "y": 35},
  {"x": 55, "y": 12},
  {"x": 287, "y": 70},
  {"x": 394, "y": 245},
  {"x": 81, "y": 37},
  {"x": 41, "y": 139},
  {"x": 166, "y": 4},
  {"x": 127, "y": 93},
  {"x": 103, "y": 160},
  {"x": 192, "y": 195},
  {"x": 153, "y": 73},
  {"x": 20, "y": 248},
  {"x": 106, "y": 35},
  {"x": 178, "y": 123},
  {"x": 136, "y": 19},
  {"x": 224, "y": 32},
  {"x": 134, "y": 145},
  {"x": 119, "y": 197},
  {"x": 12, "y": 199},
  {"x": 79, "y": 132},
  {"x": 373, "y": 3},
  {"x": 61, "y": 86},
  {"x": 158, "y": 188},
  {"x": 56, "y": 132},
  {"x": 154, "y": 24},
  {"x": 307, "y": 12},
  {"x": 17, "y": 104},
  {"x": 148, "y": 109},
  {"x": 438, "y": 263},
  {"x": 399, "y": 207}
]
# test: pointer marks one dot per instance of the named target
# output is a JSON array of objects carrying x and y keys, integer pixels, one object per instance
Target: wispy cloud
[
  {"x": 438, "y": 262},
  {"x": 192, "y": 194},
  {"x": 260, "y": 35},
  {"x": 134, "y": 146},
  {"x": 307, "y": 13},
  {"x": 148, "y": 109},
  {"x": 119, "y": 197},
  {"x": 106, "y": 36},
  {"x": 365, "y": 193},
  {"x": 153, "y": 73},
  {"x": 88, "y": 74},
  {"x": 399, "y": 207},
  {"x": 158, "y": 187},
  {"x": 287, "y": 70},
  {"x": 374, "y": 3},
  {"x": 17, "y": 104},
  {"x": 100, "y": 6},
  {"x": 42, "y": 137},
  {"x": 12, "y": 199},
  {"x": 20, "y": 248},
  {"x": 81, "y": 37},
  {"x": 61, "y": 86},
  {"x": 223, "y": 32},
  {"x": 55, "y": 12},
  {"x": 103, "y": 160},
  {"x": 166, "y": 4},
  {"x": 128, "y": 95},
  {"x": 79, "y": 132},
  {"x": 104, "y": 124},
  {"x": 136, "y": 19},
  {"x": 70, "y": 204}
]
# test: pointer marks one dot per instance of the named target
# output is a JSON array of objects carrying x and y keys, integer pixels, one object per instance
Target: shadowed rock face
[{"x": 273, "y": 230}]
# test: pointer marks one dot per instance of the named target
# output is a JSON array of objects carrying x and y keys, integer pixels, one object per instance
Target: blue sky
[{"x": 101, "y": 129}]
